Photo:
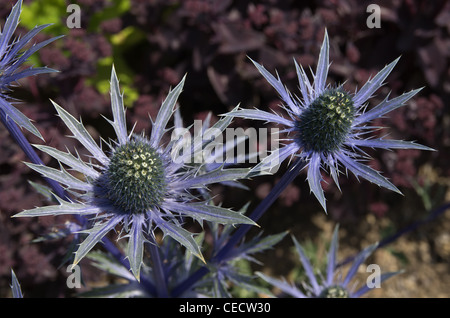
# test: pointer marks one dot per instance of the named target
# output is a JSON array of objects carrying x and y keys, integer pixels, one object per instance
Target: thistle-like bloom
[
  {"x": 333, "y": 285},
  {"x": 327, "y": 127},
  {"x": 12, "y": 57},
  {"x": 136, "y": 183}
]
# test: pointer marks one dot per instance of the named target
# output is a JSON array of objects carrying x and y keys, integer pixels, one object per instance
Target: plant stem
[
  {"x": 262, "y": 207},
  {"x": 23, "y": 143},
  {"x": 158, "y": 270}
]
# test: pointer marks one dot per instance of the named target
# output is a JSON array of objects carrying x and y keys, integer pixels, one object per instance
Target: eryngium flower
[
  {"x": 328, "y": 125},
  {"x": 136, "y": 183},
  {"x": 12, "y": 57},
  {"x": 333, "y": 285}
]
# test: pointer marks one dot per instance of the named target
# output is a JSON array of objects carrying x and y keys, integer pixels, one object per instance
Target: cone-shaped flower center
[
  {"x": 325, "y": 123},
  {"x": 135, "y": 179},
  {"x": 334, "y": 292}
]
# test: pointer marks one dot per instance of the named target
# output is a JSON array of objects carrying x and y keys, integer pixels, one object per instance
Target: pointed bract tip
[
  {"x": 113, "y": 71},
  {"x": 183, "y": 79},
  {"x": 200, "y": 256},
  {"x": 324, "y": 206},
  {"x": 137, "y": 276},
  {"x": 394, "y": 62}
]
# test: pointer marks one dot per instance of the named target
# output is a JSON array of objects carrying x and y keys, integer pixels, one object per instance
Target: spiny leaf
[
  {"x": 61, "y": 176},
  {"x": 182, "y": 236},
  {"x": 96, "y": 234},
  {"x": 70, "y": 160},
  {"x": 63, "y": 208},
  {"x": 81, "y": 134}
]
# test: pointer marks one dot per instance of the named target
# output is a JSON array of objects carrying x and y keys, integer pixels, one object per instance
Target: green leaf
[
  {"x": 101, "y": 81},
  {"x": 39, "y": 12},
  {"x": 114, "y": 9}
]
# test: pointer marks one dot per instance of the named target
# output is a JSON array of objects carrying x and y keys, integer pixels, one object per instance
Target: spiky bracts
[
  {"x": 136, "y": 183},
  {"x": 327, "y": 126},
  {"x": 330, "y": 285}
]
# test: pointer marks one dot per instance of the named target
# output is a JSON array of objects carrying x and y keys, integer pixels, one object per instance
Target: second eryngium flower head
[
  {"x": 136, "y": 183},
  {"x": 12, "y": 58},
  {"x": 330, "y": 284},
  {"x": 328, "y": 125}
]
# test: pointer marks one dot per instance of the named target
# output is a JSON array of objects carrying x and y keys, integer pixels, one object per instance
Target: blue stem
[
  {"x": 20, "y": 139},
  {"x": 158, "y": 270},
  {"x": 262, "y": 207},
  {"x": 433, "y": 215}
]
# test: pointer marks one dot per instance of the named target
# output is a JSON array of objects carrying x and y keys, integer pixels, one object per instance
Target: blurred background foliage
[{"x": 154, "y": 43}]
